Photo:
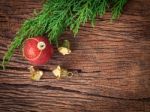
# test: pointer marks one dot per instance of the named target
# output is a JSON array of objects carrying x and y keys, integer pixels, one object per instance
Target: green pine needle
[
  {"x": 57, "y": 15},
  {"x": 117, "y": 8}
]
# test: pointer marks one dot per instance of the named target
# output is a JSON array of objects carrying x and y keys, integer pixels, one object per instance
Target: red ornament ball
[{"x": 37, "y": 50}]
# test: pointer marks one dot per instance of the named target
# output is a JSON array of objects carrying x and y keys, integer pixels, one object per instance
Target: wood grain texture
[{"x": 112, "y": 60}]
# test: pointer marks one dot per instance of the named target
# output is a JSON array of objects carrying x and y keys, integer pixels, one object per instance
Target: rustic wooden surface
[{"x": 112, "y": 61}]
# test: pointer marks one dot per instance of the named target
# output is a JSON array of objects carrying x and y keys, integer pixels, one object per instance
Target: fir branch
[
  {"x": 17, "y": 41},
  {"x": 117, "y": 8},
  {"x": 57, "y": 15},
  {"x": 81, "y": 17},
  {"x": 99, "y": 9}
]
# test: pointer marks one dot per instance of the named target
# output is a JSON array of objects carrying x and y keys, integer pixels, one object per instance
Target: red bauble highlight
[{"x": 37, "y": 50}]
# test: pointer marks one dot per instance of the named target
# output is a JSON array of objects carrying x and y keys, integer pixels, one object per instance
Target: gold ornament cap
[
  {"x": 61, "y": 72},
  {"x": 65, "y": 48},
  {"x": 35, "y": 74}
]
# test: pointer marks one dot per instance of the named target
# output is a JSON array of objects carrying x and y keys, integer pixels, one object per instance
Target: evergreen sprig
[{"x": 57, "y": 15}]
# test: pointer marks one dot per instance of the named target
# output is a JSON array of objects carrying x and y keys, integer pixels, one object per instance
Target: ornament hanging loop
[{"x": 70, "y": 74}]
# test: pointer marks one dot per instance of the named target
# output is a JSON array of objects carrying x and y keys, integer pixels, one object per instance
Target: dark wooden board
[{"x": 112, "y": 60}]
